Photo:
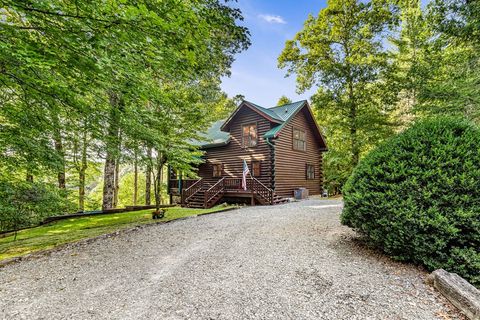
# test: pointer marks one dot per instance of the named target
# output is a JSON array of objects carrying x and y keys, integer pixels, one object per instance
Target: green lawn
[{"x": 74, "y": 229}]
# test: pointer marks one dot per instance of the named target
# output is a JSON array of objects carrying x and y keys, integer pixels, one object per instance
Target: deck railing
[
  {"x": 190, "y": 191},
  {"x": 262, "y": 190},
  {"x": 174, "y": 184},
  {"x": 214, "y": 191},
  {"x": 231, "y": 185}
]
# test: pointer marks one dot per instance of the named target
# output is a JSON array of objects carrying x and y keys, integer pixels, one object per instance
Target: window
[
  {"x": 299, "y": 142},
  {"x": 310, "y": 172},
  {"x": 256, "y": 172},
  {"x": 249, "y": 135},
  {"x": 217, "y": 170}
]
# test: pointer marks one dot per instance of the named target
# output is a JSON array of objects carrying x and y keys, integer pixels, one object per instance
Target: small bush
[{"x": 417, "y": 197}]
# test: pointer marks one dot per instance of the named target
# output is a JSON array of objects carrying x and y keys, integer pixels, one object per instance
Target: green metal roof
[
  {"x": 214, "y": 137},
  {"x": 269, "y": 112},
  {"x": 285, "y": 113}
]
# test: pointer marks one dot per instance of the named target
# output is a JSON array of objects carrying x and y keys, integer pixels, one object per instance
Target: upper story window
[
  {"x": 299, "y": 140},
  {"x": 249, "y": 135}
]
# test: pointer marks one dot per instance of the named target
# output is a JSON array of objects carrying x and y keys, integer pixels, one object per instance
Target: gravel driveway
[{"x": 292, "y": 261}]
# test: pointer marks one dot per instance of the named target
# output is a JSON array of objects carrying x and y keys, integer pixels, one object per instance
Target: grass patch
[{"x": 70, "y": 230}]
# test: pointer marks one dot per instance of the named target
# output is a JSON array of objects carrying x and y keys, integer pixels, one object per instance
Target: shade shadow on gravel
[{"x": 292, "y": 261}]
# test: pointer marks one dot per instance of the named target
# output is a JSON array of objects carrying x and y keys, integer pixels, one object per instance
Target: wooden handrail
[
  {"x": 225, "y": 184},
  {"x": 262, "y": 190},
  {"x": 190, "y": 191},
  {"x": 261, "y": 183},
  {"x": 217, "y": 188}
]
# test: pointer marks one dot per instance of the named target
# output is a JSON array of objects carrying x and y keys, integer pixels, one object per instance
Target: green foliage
[
  {"x": 417, "y": 196},
  {"x": 283, "y": 100},
  {"x": 82, "y": 81},
  {"x": 367, "y": 90},
  {"x": 341, "y": 52},
  {"x": 23, "y": 204},
  {"x": 435, "y": 65}
]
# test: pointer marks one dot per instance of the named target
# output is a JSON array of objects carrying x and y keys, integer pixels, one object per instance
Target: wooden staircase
[{"x": 205, "y": 193}]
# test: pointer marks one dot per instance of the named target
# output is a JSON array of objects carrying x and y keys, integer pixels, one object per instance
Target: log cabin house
[{"x": 282, "y": 146}]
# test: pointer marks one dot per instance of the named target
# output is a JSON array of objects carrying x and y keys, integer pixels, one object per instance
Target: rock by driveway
[{"x": 292, "y": 261}]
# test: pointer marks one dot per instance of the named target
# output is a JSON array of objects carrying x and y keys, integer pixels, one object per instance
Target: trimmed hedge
[{"x": 417, "y": 197}]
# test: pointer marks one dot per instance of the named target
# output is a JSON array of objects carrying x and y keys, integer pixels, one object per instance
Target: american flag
[{"x": 244, "y": 175}]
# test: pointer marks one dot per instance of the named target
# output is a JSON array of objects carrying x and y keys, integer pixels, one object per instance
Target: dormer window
[{"x": 249, "y": 135}]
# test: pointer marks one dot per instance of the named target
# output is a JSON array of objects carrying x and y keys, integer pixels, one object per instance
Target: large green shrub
[{"x": 417, "y": 197}]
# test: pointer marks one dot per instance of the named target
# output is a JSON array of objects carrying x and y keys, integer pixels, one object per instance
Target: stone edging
[
  {"x": 41, "y": 253},
  {"x": 458, "y": 291}
]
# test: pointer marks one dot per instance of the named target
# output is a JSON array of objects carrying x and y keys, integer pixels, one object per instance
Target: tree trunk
[
  {"x": 108, "y": 182},
  {"x": 117, "y": 183},
  {"x": 112, "y": 144},
  {"x": 81, "y": 173},
  {"x": 57, "y": 140},
  {"x": 158, "y": 182},
  {"x": 135, "y": 180},
  {"x": 148, "y": 178},
  {"x": 117, "y": 170},
  {"x": 59, "y": 149}
]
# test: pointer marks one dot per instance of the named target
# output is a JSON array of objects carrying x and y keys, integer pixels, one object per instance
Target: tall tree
[
  {"x": 341, "y": 52},
  {"x": 62, "y": 60},
  {"x": 455, "y": 60},
  {"x": 434, "y": 64},
  {"x": 408, "y": 72}
]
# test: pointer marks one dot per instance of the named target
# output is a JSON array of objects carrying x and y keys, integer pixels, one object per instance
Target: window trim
[
  {"x": 304, "y": 141},
  {"x": 216, "y": 165},
  {"x": 243, "y": 136},
  {"x": 307, "y": 166},
  {"x": 259, "y": 168}
]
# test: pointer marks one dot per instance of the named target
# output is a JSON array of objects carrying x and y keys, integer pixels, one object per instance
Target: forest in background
[
  {"x": 98, "y": 97},
  {"x": 381, "y": 65},
  {"x": 90, "y": 88}
]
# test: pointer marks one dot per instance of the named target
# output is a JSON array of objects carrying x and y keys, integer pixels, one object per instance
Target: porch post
[
  {"x": 169, "y": 184},
  {"x": 180, "y": 187},
  {"x": 252, "y": 202}
]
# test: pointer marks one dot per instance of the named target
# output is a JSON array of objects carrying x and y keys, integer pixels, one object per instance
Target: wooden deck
[{"x": 205, "y": 193}]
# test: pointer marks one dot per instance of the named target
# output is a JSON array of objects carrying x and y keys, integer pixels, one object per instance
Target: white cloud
[{"x": 272, "y": 19}]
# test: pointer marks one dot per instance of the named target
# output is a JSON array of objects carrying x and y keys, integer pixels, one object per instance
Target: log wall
[
  {"x": 232, "y": 155},
  {"x": 290, "y": 164}
]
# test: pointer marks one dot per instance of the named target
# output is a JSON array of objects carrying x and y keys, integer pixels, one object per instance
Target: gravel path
[{"x": 292, "y": 261}]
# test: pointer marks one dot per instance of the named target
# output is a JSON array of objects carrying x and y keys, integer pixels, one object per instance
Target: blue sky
[{"x": 254, "y": 73}]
